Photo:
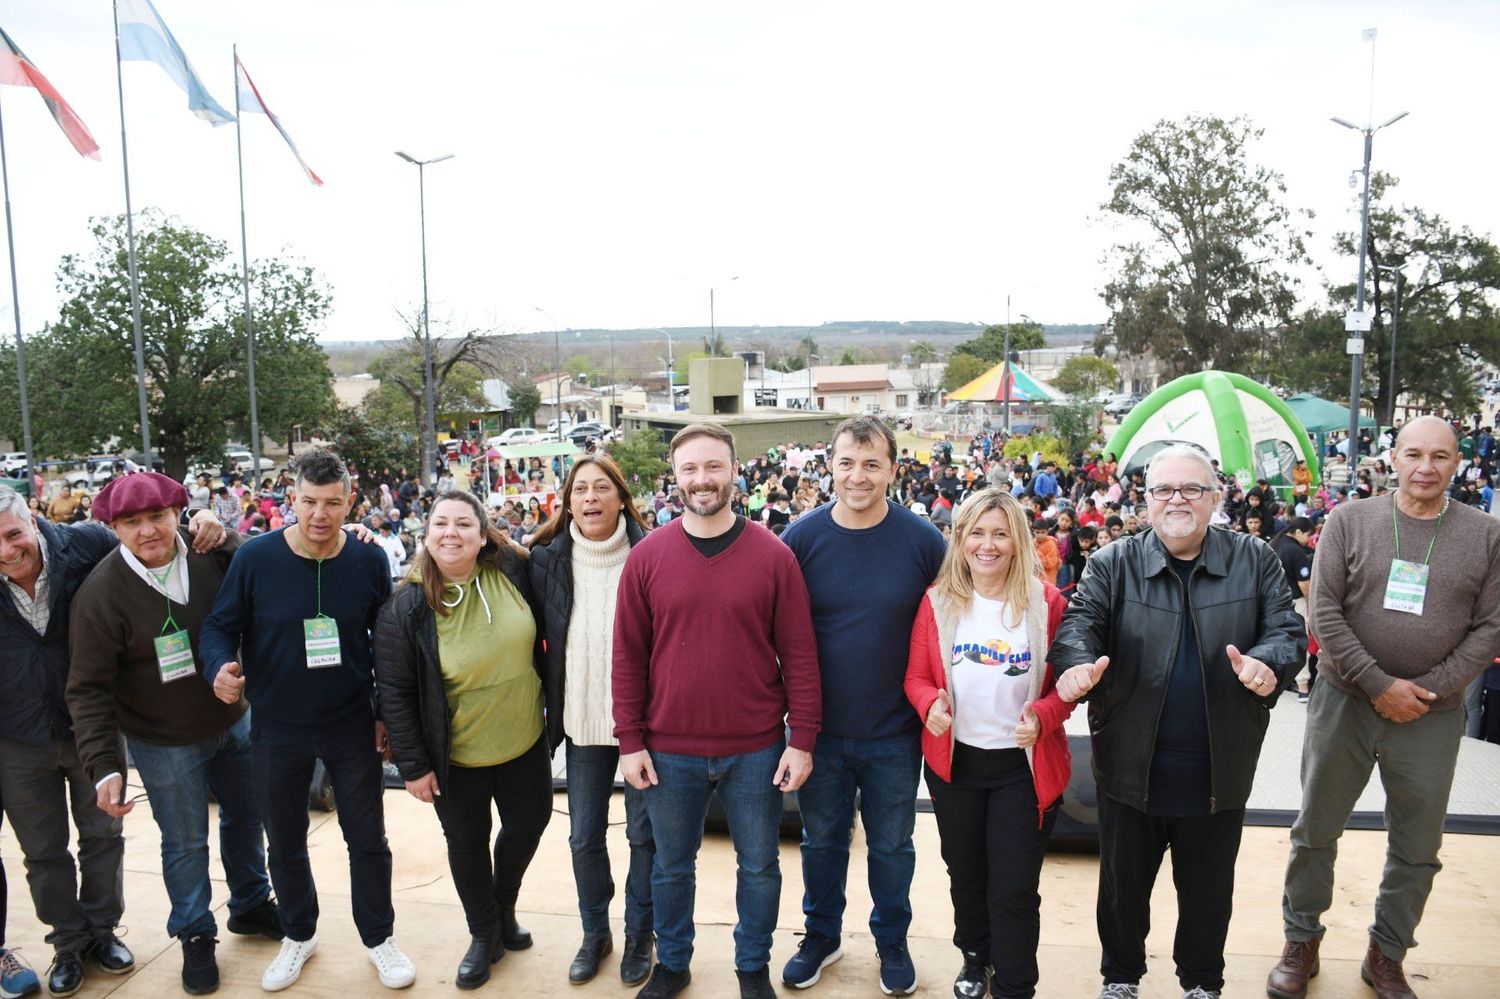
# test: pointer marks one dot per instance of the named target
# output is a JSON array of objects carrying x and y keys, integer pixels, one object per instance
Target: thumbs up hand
[
  {"x": 1257, "y": 677},
  {"x": 229, "y": 684},
  {"x": 940, "y": 714},
  {"x": 1079, "y": 680},
  {"x": 1030, "y": 729}
]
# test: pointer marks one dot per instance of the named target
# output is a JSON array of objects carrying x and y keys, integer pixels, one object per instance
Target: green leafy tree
[
  {"x": 1086, "y": 375},
  {"x": 962, "y": 369},
  {"x": 81, "y": 369},
  {"x": 368, "y": 444},
  {"x": 398, "y": 402},
  {"x": 525, "y": 400},
  {"x": 1075, "y": 424},
  {"x": 1450, "y": 313},
  {"x": 989, "y": 346},
  {"x": 714, "y": 345},
  {"x": 849, "y": 356},
  {"x": 642, "y": 457},
  {"x": 924, "y": 352},
  {"x": 1212, "y": 268},
  {"x": 581, "y": 367}
]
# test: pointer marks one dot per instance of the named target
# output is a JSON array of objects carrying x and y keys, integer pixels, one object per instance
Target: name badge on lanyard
[
  {"x": 321, "y": 636},
  {"x": 174, "y": 656},
  {"x": 1406, "y": 587}
]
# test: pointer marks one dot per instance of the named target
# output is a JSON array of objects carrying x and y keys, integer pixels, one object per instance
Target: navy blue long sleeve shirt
[
  {"x": 257, "y": 621},
  {"x": 865, "y": 587}
]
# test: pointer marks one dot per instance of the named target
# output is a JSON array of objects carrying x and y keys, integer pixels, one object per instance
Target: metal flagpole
[
  {"x": 15, "y": 297},
  {"x": 245, "y": 278},
  {"x": 135, "y": 280}
]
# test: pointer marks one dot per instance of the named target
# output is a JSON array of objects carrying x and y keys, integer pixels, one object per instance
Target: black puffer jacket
[
  {"x": 413, "y": 703},
  {"x": 552, "y": 582},
  {"x": 1129, "y": 605},
  {"x": 33, "y": 708}
]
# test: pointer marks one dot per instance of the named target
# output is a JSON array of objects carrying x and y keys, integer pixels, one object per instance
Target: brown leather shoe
[
  {"x": 1299, "y": 962},
  {"x": 1384, "y": 975}
]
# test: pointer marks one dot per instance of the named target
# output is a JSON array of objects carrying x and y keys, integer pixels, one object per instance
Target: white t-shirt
[{"x": 992, "y": 666}]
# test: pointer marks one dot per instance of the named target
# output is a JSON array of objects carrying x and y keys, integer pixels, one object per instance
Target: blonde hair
[{"x": 954, "y": 580}]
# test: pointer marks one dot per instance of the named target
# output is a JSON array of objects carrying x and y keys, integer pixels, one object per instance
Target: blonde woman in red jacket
[{"x": 997, "y": 758}]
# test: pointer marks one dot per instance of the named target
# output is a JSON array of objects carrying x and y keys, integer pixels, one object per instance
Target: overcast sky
[{"x": 613, "y": 161}]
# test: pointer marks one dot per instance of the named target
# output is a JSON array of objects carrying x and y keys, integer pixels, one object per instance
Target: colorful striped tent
[{"x": 990, "y": 387}]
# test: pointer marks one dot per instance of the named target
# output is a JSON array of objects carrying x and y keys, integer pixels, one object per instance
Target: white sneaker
[
  {"x": 1120, "y": 990},
  {"x": 396, "y": 969},
  {"x": 287, "y": 967}
]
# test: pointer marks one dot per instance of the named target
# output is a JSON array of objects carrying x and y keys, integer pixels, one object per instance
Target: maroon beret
[{"x": 136, "y": 492}]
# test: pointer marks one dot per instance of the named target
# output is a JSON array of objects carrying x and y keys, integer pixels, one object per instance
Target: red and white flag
[
  {"x": 19, "y": 71},
  {"x": 250, "y": 100}
]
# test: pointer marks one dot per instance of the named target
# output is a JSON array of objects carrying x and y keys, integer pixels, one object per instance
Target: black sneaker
[
  {"x": 263, "y": 920},
  {"x": 814, "y": 953},
  {"x": 755, "y": 984},
  {"x": 665, "y": 983},
  {"x": 974, "y": 980},
  {"x": 200, "y": 972}
]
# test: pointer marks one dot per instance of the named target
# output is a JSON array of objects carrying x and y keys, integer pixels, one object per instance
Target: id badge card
[
  {"x": 174, "y": 656},
  {"x": 321, "y": 636},
  {"x": 1406, "y": 587}
]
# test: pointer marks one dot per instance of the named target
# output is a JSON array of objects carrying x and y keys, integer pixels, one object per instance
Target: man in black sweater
[
  {"x": 290, "y": 631},
  {"x": 135, "y": 670}
]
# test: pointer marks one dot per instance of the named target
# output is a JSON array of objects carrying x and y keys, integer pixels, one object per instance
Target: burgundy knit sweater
[{"x": 713, "y": 656}]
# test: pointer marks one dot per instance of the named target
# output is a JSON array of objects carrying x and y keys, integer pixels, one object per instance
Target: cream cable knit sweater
[{"x": 587, "y": 705}]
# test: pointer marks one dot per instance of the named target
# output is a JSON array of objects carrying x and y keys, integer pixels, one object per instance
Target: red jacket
[{"x": 927, "y": 672}]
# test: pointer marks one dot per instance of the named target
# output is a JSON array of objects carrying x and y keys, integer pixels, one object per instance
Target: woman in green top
[{"x": 456, "y": 658}]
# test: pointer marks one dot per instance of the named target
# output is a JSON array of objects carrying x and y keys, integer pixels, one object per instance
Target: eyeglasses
[{"x": 1190, "y": 492}]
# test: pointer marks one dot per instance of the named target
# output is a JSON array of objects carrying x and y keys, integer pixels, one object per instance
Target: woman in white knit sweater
[{"x": 575, "y": 569}]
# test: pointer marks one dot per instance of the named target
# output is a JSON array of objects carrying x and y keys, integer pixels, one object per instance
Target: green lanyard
[
  {"x": 170, "y": 625},
  {"x": 1436, "y": 527},
  {"x": 298, "y": 542}
]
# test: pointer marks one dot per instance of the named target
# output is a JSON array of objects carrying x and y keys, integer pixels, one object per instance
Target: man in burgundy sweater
[{"x": 714, "y": 657}]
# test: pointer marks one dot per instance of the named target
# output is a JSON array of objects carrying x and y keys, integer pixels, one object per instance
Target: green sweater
[{"x": 114, "y": 684}]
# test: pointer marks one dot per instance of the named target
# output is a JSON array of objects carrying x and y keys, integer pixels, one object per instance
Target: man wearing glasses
[{"x": 1180, "y": 638}]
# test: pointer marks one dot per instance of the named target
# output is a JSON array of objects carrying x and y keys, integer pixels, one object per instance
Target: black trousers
[
  {"x": 521, "y": 789},
  {"x": 1131, "y": 846},
  {"x": 993, "y": 846}
]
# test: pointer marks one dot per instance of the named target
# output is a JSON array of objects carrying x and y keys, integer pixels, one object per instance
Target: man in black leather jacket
[{"x": 1181, "y": 638}]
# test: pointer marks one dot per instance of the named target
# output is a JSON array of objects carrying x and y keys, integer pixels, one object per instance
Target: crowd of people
[{"x": 841, "y": 621}]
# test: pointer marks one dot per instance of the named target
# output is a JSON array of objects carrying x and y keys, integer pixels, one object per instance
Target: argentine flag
[{"x": 144, "y": 36}]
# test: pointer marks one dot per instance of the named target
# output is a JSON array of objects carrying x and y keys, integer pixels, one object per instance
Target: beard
[
  {"x": 1178, "y": 525},
  {"x": 713, "y": 506}
]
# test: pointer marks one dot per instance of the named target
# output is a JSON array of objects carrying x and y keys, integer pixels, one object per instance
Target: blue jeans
[
  {"x": 884, "y": 772},
  {"x": 284, "y": 759},
  {"x": 591, "y": 777},
  {"x": 678, "y": 806},
  {"x": 178, "y": 780}
]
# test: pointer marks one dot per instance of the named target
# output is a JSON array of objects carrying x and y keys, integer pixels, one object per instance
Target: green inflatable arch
[{"x": 1234, "y": 419}]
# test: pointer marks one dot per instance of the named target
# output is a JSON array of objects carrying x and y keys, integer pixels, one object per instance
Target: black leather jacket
[
  {"x": 413, "y": 702},
  {"x": 1129, "y": 606}
]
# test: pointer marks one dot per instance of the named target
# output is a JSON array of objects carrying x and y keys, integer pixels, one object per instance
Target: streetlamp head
[
  {"x": 408, "y": 158},
  {"x": 1346, "y": 124},
  {"x": 1393, "y": 121},
  {"x": 416, "y": 162}
]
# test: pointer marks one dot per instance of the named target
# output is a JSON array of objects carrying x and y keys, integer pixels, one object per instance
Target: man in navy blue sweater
[
  {"x": 290, "y": 631},
  {"x": 867, "y": 561}
]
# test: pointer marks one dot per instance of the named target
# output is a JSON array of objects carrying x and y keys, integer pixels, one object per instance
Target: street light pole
[
  {"x": 429, "y": 433},
  {"x": 671, "y": 379},
  {"x": 810, "y": 358},
  {"x": 1356, "y": 345},
  {"x": 1395, "y": 324},
  {"x": 557, "y": 378}
]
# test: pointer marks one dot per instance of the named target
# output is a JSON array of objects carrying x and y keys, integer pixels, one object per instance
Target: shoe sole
[
  {"x": 241, "y": 931},
  {"x": 61, "y": 995},
  {"x": 817, "y": 972},
  {"x": 899, "y": 992},
  {"x": 115, "y": 971}
]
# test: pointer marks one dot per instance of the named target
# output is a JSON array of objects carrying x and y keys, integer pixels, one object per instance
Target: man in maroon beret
[
  {"x": 136, "y": 670},
  {"x": 42, "y": 567}
]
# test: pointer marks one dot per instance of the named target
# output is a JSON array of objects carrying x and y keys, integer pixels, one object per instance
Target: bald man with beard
[{"x": 1405, "y": 603}]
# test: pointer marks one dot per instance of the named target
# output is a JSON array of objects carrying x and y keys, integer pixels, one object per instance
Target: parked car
[
  {"x": 243, "y": 460},
  {"x": 13, "y": 462},
  {"x": 99, "y": 469},
  {"x": 585, "y": 432},
  {"x": 518, "y": 435},
  {"x": 1121, "y": 403}
]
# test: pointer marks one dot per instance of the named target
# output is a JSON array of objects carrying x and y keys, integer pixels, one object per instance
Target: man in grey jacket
[{"x": 1181, "y": 638}]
